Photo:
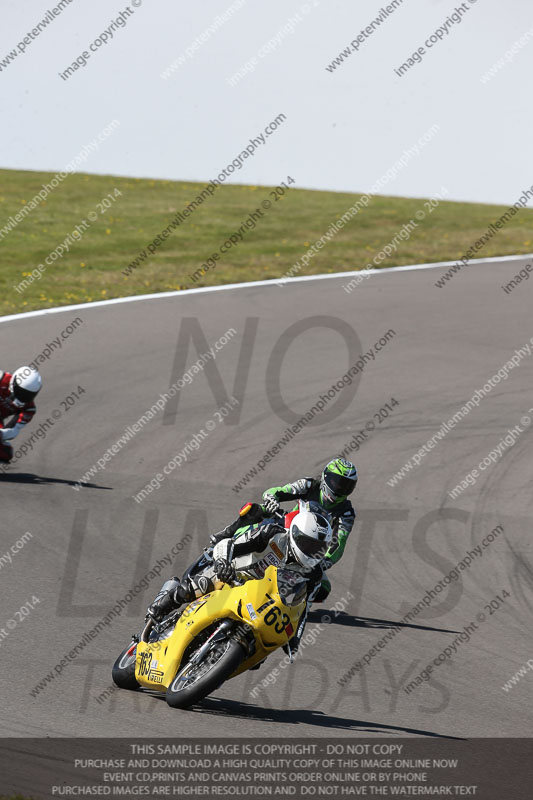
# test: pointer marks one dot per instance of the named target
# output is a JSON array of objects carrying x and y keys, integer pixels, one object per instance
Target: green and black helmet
[{"x": 338, "y": 480}]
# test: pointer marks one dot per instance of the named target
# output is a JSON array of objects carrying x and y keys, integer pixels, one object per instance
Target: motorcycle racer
[
  {"x": 300, "y": 548},
  {"x": 17, "y": 394},
  {"x": 330, "y": 491}
]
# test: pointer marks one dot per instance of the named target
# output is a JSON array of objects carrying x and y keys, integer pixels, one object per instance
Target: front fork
[{"x": 227, "y": 629}]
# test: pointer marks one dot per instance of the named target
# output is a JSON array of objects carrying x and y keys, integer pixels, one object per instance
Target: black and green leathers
[
  {"x": 342, "y": 512},
  {"x": 342, "y": 516}
]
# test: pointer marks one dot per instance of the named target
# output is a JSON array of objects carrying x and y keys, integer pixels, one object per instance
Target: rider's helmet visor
[
  {"x": 23, "y": 395},
  {"x": 307, "y": 544},
  {"x": 339, "y": 485}
]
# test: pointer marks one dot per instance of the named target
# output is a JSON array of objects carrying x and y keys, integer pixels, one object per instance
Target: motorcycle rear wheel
[
  {"x": 193, "y": 682},
  {"x": 123, "y": 672}
]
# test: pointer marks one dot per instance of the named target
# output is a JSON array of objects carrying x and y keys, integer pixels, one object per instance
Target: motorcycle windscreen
[{"x": 292, "y": 587}]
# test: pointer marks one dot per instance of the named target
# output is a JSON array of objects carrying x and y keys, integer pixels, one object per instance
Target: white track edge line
[{"x": 270, "y": 282}]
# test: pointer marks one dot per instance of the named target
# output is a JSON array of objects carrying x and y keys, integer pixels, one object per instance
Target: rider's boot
[
  {"x": 248, "y": 515},
  {"x": 171, "y": 596},
  {"x": 225, "y": 533},
  {"x": 323, "y": 591}
]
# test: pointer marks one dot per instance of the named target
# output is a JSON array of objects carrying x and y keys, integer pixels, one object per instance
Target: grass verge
[{"x": 93, "y": 266}]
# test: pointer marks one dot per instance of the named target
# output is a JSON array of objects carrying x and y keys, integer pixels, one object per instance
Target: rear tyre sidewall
[
  {"x": 224, "y": 667},
  {"x": 124, "y": 674}
]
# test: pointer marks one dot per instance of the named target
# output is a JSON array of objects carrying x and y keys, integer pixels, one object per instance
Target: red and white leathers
[{"x": 17, "y": 415}]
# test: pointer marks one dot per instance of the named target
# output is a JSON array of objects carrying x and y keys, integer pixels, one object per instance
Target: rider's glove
[
  {"x": 223, "y": 558},
  {"x": 224, "y": 570},
  {"x": 270, "y": 504}
]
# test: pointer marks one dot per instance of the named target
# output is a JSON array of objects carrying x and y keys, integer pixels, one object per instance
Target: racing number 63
[{"x": 275, "y": 617}]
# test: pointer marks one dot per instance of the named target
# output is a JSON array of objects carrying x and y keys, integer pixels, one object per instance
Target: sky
[{"x": 188, "y": 86}]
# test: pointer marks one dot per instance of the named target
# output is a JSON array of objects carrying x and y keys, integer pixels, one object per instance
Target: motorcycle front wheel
[
  {"x": 123, "y": 672},
  {"x": 193, "y": 682}
]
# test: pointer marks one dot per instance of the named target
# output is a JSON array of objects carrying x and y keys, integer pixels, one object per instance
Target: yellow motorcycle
[{"x": 218, "y": 636}]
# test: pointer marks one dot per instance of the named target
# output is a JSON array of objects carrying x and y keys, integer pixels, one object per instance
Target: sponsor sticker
[{"x": 276, "y": 549}]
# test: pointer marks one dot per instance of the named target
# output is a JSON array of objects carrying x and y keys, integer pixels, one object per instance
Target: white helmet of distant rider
[{"x": 25, "y": 385}]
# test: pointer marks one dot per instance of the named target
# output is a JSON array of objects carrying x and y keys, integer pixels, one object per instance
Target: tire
[
  {"x": 6, "y": 453},
  {"x": 123, "y": 672},
  {"x": 227, "y": 661}
]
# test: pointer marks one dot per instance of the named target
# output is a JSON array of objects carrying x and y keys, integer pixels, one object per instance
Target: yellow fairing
[{"x": 256, "y": 603}]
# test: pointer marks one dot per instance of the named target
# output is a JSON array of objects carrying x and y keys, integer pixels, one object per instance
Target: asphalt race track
[{"x": 89, "y": 547}]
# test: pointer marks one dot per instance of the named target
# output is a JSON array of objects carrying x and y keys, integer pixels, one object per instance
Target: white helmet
[
  {"x": 25, "y": 384},
  {"x": 309, "y": 538}
]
